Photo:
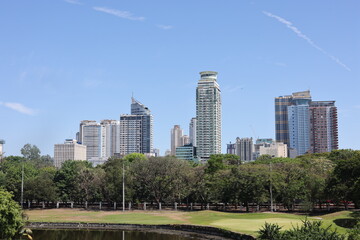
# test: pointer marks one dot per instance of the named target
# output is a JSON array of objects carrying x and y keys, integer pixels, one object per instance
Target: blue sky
[{"x": 63, "y": 61}]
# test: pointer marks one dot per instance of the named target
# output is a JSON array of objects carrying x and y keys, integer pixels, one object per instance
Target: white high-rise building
[
  {"x": 69, "y": 150},
  {"x": 176, "y": 138},
  {"x": 90, "y": 136},
  {"x": 208, "y": 116},
  {"x": 102, "y": 139},
  {"x": 2, "y": 142},
  {"x": 136, "y": 130},
  {"x": 110, "y": 138},
  {"x": 192, "y": 131}
]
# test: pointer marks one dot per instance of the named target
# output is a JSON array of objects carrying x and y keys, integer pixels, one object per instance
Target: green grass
[{"x": 248, "y": 223}]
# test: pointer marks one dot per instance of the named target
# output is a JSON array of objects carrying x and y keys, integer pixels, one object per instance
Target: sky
[{"x": 63, "y": 61}]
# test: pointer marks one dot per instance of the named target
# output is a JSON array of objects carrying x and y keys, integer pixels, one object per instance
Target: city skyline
[{"x": 57, "y": 71}]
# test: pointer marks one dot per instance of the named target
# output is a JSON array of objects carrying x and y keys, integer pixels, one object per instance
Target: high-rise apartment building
[
  {"x": 299, "y": 122},
  {"x": 110, "y": 138},
  {"x": 185, "y": 140},
  {"x": 2, "y": 142},
  {"x": 192, "y": 131},
  {"x": 69, "y": 150},
  {"x": 90, "y": 136},
  {"x": 305, "y": 125},
  {"x": 102, "y": 139},
  {"x": 176, "y": 138},
  {"x": 244, "y": 148},
  {"x": 136, "y": 130},
  {"x": 323, "y": 126},
  {"x": 208, "y": 115}
]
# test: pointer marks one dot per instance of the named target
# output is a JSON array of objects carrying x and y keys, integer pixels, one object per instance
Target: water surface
[{"x": 105, "y": 235}]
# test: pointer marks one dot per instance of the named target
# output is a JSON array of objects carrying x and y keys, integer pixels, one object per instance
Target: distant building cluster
[
  {"x": 97, "y": 142},
  {"x": 301, "y": 126}
]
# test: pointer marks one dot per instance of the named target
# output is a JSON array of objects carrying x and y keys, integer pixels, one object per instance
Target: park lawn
[{"x": 248, "y": 223}]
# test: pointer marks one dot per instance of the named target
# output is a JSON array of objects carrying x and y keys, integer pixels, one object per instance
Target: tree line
[{"x": 311, "y": 179}]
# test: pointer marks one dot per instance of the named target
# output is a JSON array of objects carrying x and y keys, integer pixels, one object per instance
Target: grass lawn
[{"x": 247, "y": 223}]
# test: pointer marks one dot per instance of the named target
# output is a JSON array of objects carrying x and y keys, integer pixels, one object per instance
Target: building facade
[
  {"x": 305, "y": 125},
  {"x": 186, "y": 152},
  {"x": 90, "y": 136},
  {"x": 136, "y": 130},
  {"x": 2, "y": 142},
  {"x": 69, "y": 150},
  {"x": 244, "y": 148},
  {"x": 192, "y": 131},
  {"x": 176, "y": 135},
  {"x": 274, "y": 149},
  {"x": 208, "y": 115},
  {"x": 323, "y": 126}
]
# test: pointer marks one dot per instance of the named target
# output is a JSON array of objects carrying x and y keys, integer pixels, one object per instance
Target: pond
[{"x": 102, "y": 235}]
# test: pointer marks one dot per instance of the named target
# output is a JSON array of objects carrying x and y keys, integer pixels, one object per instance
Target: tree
[
  {"x": 35, "y": 186},
  {"x": 30, "y": 152},
  {"x": 160, "y": 178},
  {"x": 132, "y": 157},
  {"x": 66, "y": 179},
  {"x": 10, "y": 215}
]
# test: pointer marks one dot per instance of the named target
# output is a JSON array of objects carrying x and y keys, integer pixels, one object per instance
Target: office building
[
  {"x": 323, "y": 126},
  {"x": 136, "y": 130},
  {"x": 176, "y": 138},
  {"x": 244, "y": 149},
  {"x": 305, "y": 125},
  {"x": 90, "y": 136},
  {"x": 274, "y": 149},
  {"x": 186, "y": 152},
  {"x": 110, "y": 138},
  {"x": 230, "y": 148},
  {"x": 69, "y": 150},
  {"x": 185, "y": 139},
  {"x": 261, "y": 142},
  {"x": 208, "y": 116},
  {"x": 299, "y": 122},
  {"x": 192, "y": 131}
]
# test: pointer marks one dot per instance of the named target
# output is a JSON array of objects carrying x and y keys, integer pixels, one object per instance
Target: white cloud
[
  {"x": 306, "y": 38},
  {"x": 165, "y": 27},
  {"x": 118, "y": 13},
  {"x": 18, "y": 107},
  {"x": 73, "y": 2}
]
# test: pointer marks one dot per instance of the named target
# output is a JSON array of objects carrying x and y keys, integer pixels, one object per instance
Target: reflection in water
[{"x": 103, "y": 235}]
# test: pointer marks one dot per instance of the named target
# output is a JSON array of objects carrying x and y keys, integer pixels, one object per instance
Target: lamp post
[
  {"x": 271, "y": 195},
  {"x": 22, "y": 185},
  {"x": 123, "y": 185}
]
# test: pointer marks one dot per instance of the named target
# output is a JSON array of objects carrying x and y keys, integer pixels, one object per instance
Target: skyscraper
[
  {"x": 2, "y": 142},
  {"x": 176, "y": 138},
  {"x": 110, "y": 138},
  {"x": 323, "y": 126},
  {"x": 306, "y": 125},
  {"x": 299, "y": 122},
  {"x": 192, "y": 131},
  {"x": 90, "y": 136},
  {"x": 244, "y": 147},
  {"x": 208, "y": 115},
  {"x": 102, "y": 139},
  {"x": 136, "y": 130}
]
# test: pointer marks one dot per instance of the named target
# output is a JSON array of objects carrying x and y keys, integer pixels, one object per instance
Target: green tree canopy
[{"x": 10, "y": 215}]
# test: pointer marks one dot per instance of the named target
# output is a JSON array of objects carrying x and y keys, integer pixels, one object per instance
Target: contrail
[{"x": 306, "y": 38}]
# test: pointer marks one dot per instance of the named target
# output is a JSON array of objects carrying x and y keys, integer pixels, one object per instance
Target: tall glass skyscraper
[
  {"x": 136, "y": 130},
  {"x": 208, "y": 115}
]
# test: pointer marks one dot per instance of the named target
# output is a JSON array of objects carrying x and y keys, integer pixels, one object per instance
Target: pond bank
[{"x": 202, "y": 231}]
